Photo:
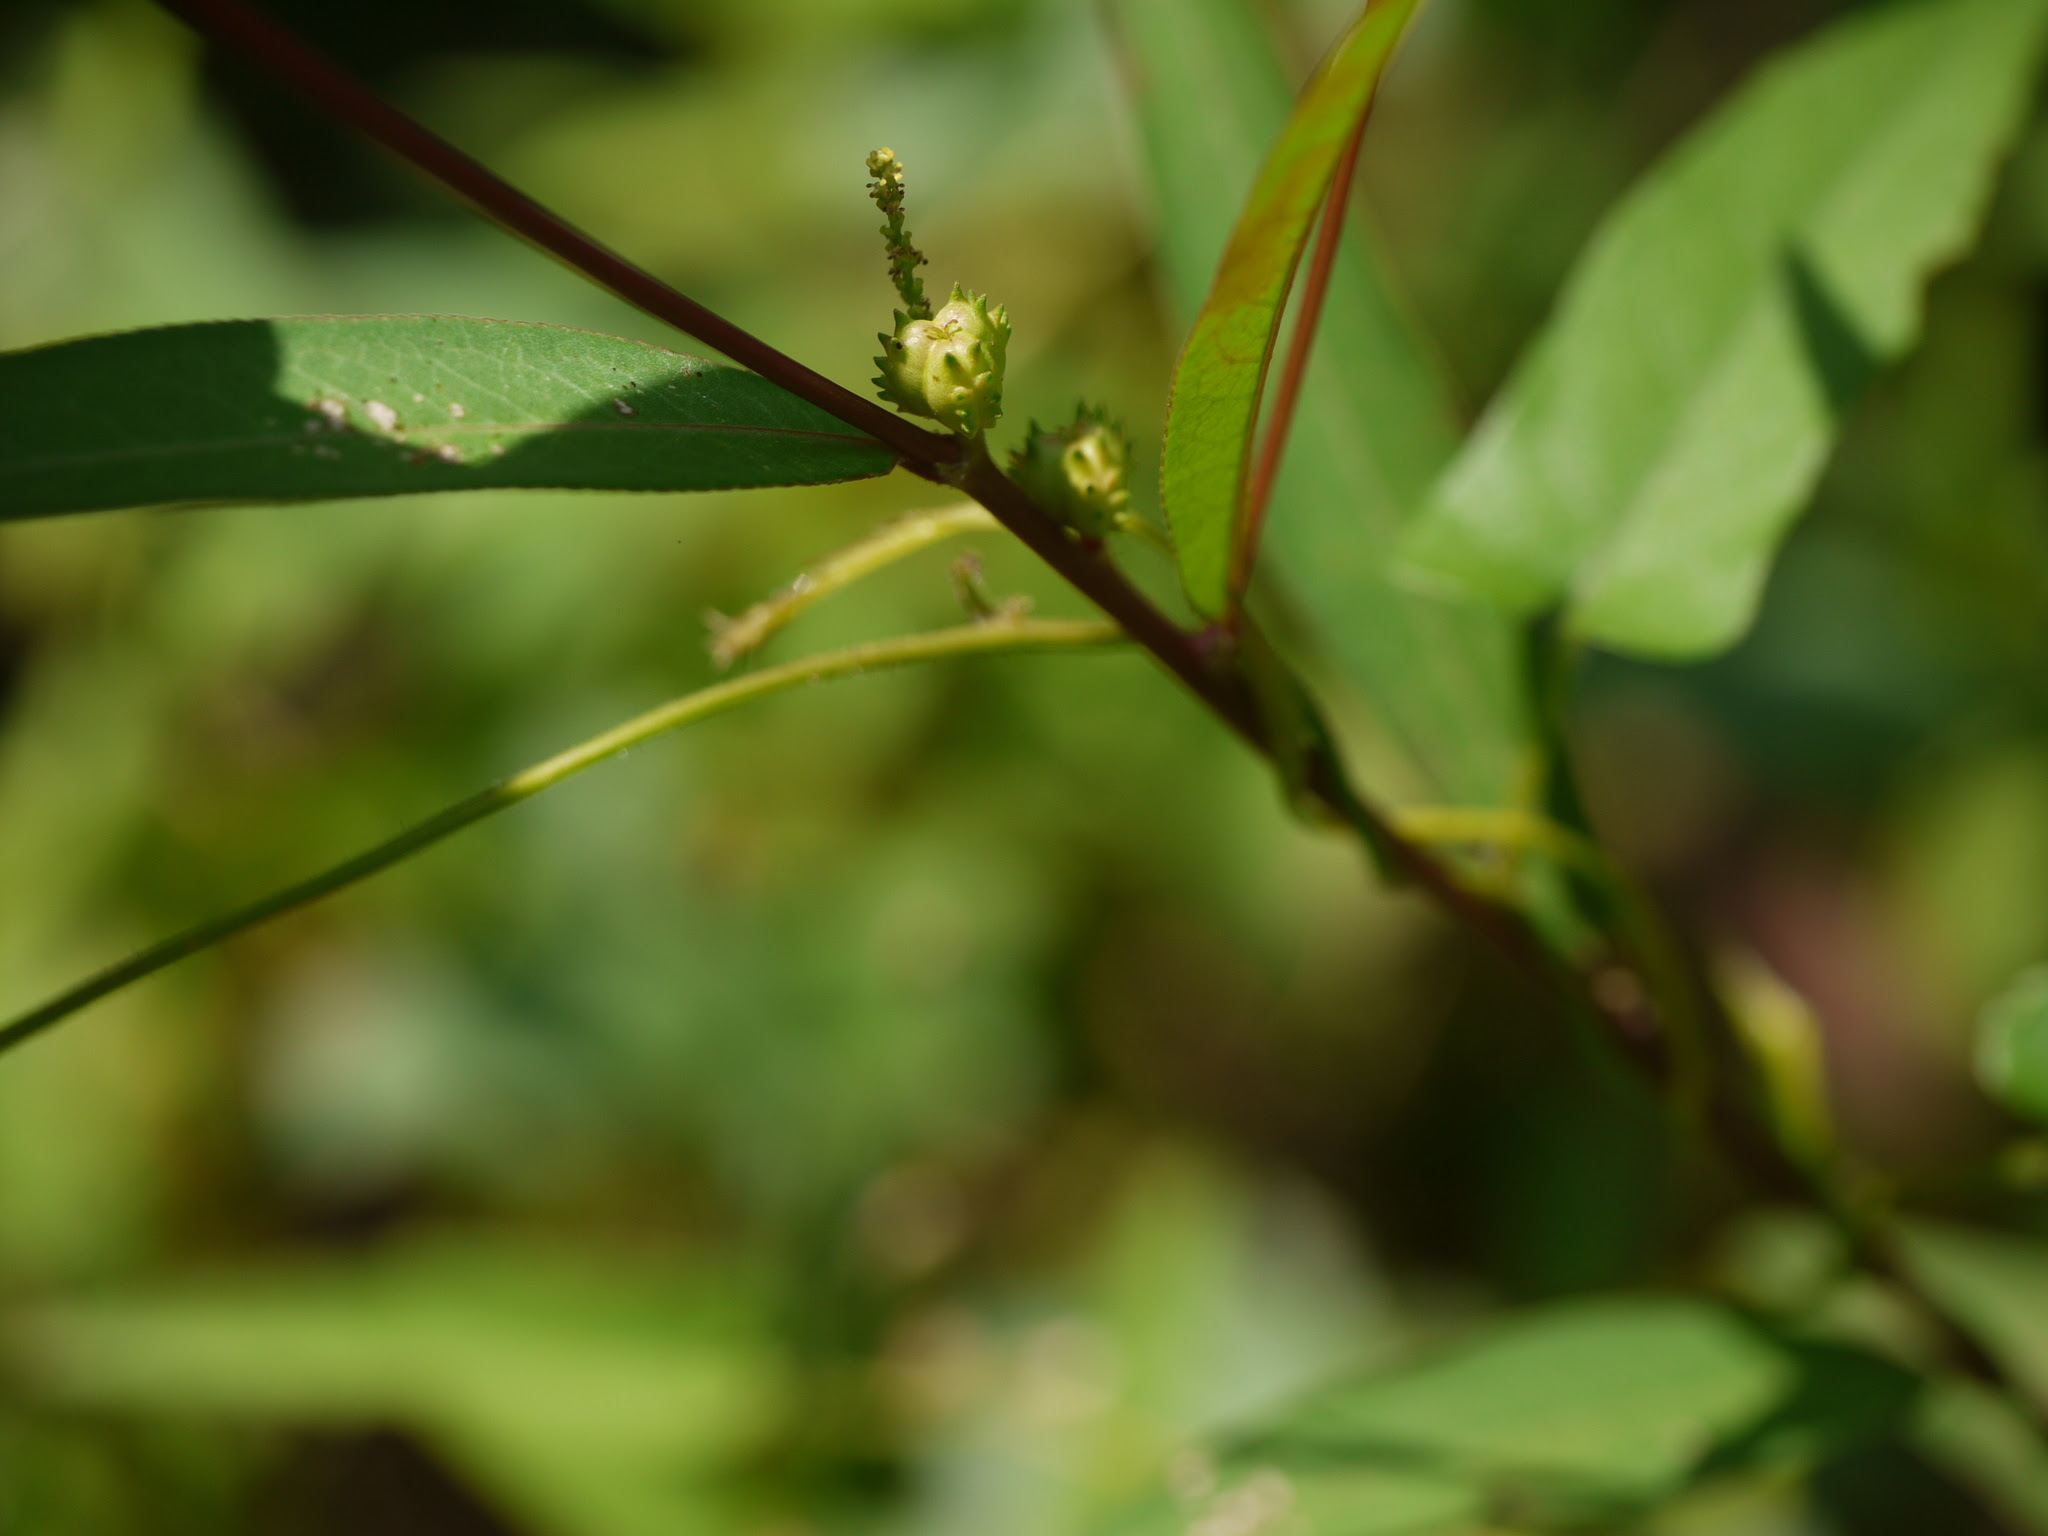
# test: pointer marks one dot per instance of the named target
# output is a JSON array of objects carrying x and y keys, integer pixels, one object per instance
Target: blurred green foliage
[{"x": 925, "y": 1104}]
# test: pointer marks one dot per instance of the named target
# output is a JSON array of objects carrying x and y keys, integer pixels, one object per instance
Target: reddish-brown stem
[
  {"x": 1209, "y": 671},
  {"x": 298, "y": 65},
  {"x": 1287, "y": 393}
]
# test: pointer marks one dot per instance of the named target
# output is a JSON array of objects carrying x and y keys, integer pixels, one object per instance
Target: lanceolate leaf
[
  {"x": 1374, "y": 426},
  {"x": 1222, "y": 370},
  {"x": 1645, "y": 459},
  {"x": 378, "y": 405}
]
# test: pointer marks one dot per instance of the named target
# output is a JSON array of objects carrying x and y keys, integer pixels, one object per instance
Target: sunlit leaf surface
[
  {"x": 1581, "y": 1411},
  {"x": 1645, "y": 459}
]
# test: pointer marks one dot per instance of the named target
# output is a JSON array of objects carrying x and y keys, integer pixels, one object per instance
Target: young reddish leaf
[
  {"x": 1222, "y": 372},
  {"x": 381, "y": 405},
  {"x": 1374, "y": 429}
]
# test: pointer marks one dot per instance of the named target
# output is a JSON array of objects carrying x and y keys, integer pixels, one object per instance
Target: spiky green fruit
[
  {"x": 1079, "y": 472},
  {"x": 950, "y": 367}
]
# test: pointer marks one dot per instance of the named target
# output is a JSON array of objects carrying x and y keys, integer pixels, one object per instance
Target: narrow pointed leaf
[
  {"x": 1222, "y": 370},
  {"x": 1647, "y": 456},
  {"x": 381, "y": 405},
  {"x": 1374, "y": 427}
]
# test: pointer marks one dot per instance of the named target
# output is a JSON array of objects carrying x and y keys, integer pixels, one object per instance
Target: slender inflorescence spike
[{"x": 904, "y": 258}]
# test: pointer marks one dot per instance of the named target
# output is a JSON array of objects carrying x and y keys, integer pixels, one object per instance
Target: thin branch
[
  {"x": 1287, "y": 394},
  {"x": 303, "y": 68},
  {"x": 876, "y": 656},
  {"x": 732, "y": 638},
  {"x": 298, "y": 66}
]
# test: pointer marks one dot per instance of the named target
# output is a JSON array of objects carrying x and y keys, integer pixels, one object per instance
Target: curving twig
[{"x": 875, "y": 656}]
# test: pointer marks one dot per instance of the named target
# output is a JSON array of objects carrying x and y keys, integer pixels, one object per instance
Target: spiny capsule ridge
[{"x": 1079, "y": 472}]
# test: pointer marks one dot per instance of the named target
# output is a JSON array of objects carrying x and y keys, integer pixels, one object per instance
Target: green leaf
[
  {"x": 1844, "y": 1397},
  {"x": 1374, "y": 426},
  {"x": 381, "y": 405},
  {"x": 1996, "y": 1284},
  {"x": 2012, "y": 1046},
  {"x": 600, "y": 1395},
  {"x": 1612, "y": 1399},
  {"x": 1222, "y": 371},
  {"x": 1575, "y": 1413},
  {"x": 1987, "y": 1442},
  {"x": 1648, "y": 454}
]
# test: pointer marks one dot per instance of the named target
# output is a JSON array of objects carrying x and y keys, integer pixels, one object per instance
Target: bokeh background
[{"x": 924, "y": 1104}]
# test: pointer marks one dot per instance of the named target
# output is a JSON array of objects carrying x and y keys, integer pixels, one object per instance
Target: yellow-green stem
[
  {"x": 876, "y": 656},
  {"x": 736, "y": 637}
]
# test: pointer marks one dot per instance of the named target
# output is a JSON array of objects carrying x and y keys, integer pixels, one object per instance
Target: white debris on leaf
[
  {"x": 328, "y": 415},
  {"x": 455, "y": 409},
  {"x": 623, "y": 408},
  {"x": 381, "y": 415}
]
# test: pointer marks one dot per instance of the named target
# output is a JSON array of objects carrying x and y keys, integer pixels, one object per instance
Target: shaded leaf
[
  {"x": 1647, "y": 455},
  {"x": 1988, "y": 1444},
  {"x": 2012, "y": 1046},
  {"x": 1222, "y": 370},
  {"x": 596, "y": 1396},
  {"x": 1996, "y": 1284},
  {"x": 1843, "y": 1397},
  {"x": 379, "y": 405},
  {"x": 1374, "y": 426}
]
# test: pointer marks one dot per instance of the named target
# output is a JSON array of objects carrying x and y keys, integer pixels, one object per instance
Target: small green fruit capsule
[
  {"x": 1079, "y": 473},
  {"x": 905, "y": 358},
  {"x": 949, "y": 367}
]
